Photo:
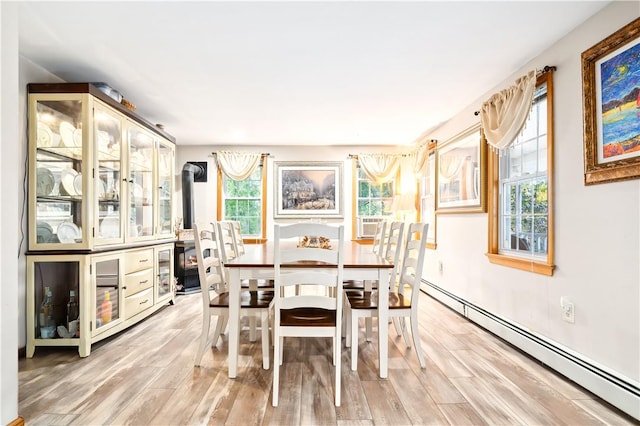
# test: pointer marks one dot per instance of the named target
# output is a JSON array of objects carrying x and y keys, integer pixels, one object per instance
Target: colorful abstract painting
[{"x": 620, "y": 104}]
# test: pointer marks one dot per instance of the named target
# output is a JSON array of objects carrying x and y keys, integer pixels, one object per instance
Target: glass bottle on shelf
[
  {"x": 72, "y": 315},
  {"x": 46, "y": 320},
  {"x": 105, "y": 310}
]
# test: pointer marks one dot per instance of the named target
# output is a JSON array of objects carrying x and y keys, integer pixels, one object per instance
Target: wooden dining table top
[{"x": 355, "y": 255}]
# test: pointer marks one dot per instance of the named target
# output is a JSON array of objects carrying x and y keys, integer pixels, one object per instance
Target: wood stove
[{"x": 186, "y": 267}]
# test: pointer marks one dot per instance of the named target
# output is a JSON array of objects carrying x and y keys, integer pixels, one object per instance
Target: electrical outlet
[
  {"x": 568, "y": 312},
  {"x": 440, "y": 267}
]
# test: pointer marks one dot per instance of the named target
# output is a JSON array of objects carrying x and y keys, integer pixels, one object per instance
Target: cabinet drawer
[
  {"x": 138, "y": 260},
  {"x": 138, "y": 302},
  {"x": 137, "y": 281}
]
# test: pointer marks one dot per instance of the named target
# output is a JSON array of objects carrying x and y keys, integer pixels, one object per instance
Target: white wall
[
  {"x": 9, "y": 184},
  {"x": 597, "y": 231}
]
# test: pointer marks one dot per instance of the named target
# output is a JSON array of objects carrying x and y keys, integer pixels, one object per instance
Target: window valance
[
  {"x": 504, "y": 114},
  {"x": 238, "y": 165},
  {"x": 379, "y": 168}
]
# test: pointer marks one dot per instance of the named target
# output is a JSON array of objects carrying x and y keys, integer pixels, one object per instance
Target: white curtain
[
  {"x": 379, "y": 167},
  {"x": 419, "y": 158},
  {"x": 238, "y": 165},
  {"x": 503, "y": 116}
]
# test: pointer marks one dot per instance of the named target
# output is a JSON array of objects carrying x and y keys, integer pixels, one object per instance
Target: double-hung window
[
  {"x": 373, "y": 203},
  {"x": 243, "y": 201},
  {"x": 521, "y": 230}
]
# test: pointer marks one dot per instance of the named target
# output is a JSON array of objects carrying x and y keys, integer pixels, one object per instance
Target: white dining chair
[
  {"x": 392, "y": 252},
  {"x": 378, "y": 246},
  {"x": 232, "y": 246},
  {"x": 403, "y": 300},
  {"x": 315, "y": 310},
  {"x": 215, "y": 295}
]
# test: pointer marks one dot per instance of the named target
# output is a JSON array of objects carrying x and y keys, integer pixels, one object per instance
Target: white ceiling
[{"x": 295, "y": 73}]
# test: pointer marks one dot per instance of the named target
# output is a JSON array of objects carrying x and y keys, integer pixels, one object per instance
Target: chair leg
[
  {"x": 206, "y": 323},
  {"x": 220, "y": 324},
  {"x": 223, "y": 325},
  {"x": 416, "y": 338},
  {"x": 368, "y": 326},
  {"x": 354, "y": 343},
  {"x": 252, "y": 328},
  {"x": 347, "y": 325},
  {"x": 277, "y": 341},
  {"x": 333, "y": 345},
  {"x": 336, "y": 355},
  {"x": 396, "y": 325},
  {"x": 405, "y": 333},
  {"x": 265, "y": 339},
  {"x": 280, "y": 357}
]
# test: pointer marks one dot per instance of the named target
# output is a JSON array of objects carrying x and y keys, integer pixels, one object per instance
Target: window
[
  {"x": 521, "y": 233},
  {"x": 373, "y": 203},
  {"x": 243, "y": 200}
]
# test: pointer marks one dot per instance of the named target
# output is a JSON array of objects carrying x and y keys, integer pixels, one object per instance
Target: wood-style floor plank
[{"x": 145, "y": 376}]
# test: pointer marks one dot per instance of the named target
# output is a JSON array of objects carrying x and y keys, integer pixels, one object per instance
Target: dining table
[{"x": 360, "y": 263}]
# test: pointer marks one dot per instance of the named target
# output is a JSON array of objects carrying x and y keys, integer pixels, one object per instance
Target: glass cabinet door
[
  {"x": 107, "y": 309},
  {"x": 164, "y": 259},
  {"x": 109, "y": 182},
  {"x": 165, "y": 188},
  {"x": 140, "y": 154},
  {"x": 59, "y": 173}
]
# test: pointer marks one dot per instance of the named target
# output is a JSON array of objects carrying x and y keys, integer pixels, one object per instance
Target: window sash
[{"x": 250, "y": 224}]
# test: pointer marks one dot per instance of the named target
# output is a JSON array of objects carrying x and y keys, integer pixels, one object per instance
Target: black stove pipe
[{"x": 189, "y": 172}]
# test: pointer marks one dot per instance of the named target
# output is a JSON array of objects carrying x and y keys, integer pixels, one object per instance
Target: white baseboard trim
[{"x": 617, "y": 390}]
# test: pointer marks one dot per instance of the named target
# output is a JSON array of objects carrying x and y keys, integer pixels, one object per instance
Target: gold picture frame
[
  {"x": 462, "y": 173},
  {"x": 612, "y": 107}
]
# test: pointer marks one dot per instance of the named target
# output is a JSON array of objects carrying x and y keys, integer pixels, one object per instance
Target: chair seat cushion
[
  {"x": 308, "y": 317},
  {"x": 369, "y": 300},
  {"x": 248, "y": 299}
]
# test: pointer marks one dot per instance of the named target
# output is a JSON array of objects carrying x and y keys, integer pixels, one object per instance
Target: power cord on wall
[{"x": 24, "y": 195}]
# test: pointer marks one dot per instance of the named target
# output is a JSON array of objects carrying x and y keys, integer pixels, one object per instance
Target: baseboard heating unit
[{"x": 619, "y": 391}]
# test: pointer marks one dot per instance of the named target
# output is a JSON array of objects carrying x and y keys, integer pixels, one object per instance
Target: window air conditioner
[{"x": 367, "y": 226}]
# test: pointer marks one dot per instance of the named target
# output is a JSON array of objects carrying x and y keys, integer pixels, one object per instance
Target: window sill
[
  {"x": 522, "y": 264},
  {"x": 363, "y": 240}
]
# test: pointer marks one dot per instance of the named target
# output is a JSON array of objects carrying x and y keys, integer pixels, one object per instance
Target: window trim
[
  {"x": 493, "y": 208},
  {"x": 219, "y": 215}
]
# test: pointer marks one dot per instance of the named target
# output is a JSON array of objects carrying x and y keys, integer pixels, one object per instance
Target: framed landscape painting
[
  {"x": 611, "y": 93},
  {"x": 308, "y": 189},
  {"x": 462, "y": 173}
]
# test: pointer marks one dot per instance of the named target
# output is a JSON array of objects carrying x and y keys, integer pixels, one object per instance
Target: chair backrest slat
[
  {"x": 413, "y": 260},
  {"x": 210, "y": 267},
  {"x": 394, "y": 249},
  {"x": 287, "y": 252},
  {"x": 379, "y": 239},
  {"x": 238, "y": 242},
  {"x": 228, "y": 250}
]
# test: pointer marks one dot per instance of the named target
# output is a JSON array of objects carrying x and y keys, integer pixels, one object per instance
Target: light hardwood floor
[{"x": 145, "y": 376}]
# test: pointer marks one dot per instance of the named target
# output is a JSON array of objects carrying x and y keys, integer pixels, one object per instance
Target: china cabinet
[{"x": 100, "y": 203}]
